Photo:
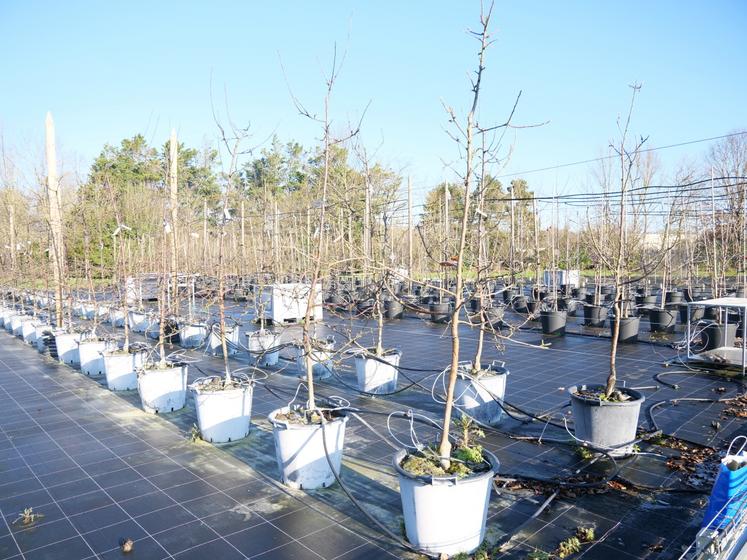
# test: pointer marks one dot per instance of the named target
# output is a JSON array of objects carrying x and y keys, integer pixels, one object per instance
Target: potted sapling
[
  {"x": 263, "y": 345},
  {"x": 192, "y": 332},
  {"x": 377, "y": 368},
  {"x": 163, "y": 384},
  {"x": 223, "y": 403},
  {"x": 444, "y": 487},
  {"x": 605, "y": 417},
  {"x": 552, "y": 319},
  {"x": 662, "y": 319},
  {"x": 309, "y": 438},
  {"x": 91, "y": 348},
  {"x": 121, "y": 364}
]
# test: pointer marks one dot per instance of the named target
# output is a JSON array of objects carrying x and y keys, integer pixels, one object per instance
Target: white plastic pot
[
  {"x": 121, "y": 368},
  {"x": 5, "y": 313},
  {"x": 162, "y": 389},
  {"x": 16, "y": 323},
  {"x": 258, "y": 343},
  {"x": 223, "y": 415},
  {"x": 192, "y": 335},
  {"x": 445, "y": 515},
  {"x": 9, "y": 321},
  {"x": 299, "y": 449},
  {"x": 90, "y": 352},
  {"x": 138, "y": 321},
  {"x": 378, "y": 375},
  {"x": 28, "y": 330},
  {"x": 481, "y": 396},
  {"x": 67, "y": 347},
  {"x": 116, "y": 317},
  {"x": 215, "y": 347},
  {"x": 321, "y": 359},
  {"x": 39, "y": 340}
]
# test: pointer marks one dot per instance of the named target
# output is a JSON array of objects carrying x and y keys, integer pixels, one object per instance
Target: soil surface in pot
[
  {"x": 465, "y": 461},
  {"x": 303, "y": 417},
  {"x": 616, "y": 396},
  {"x": 215, "y": 384}
]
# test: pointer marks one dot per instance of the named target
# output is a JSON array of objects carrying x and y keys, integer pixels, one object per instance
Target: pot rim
[
  {"x": 496, "y": 368},
  {"x": 279, "y": 424},
  {"x": 449, "y": 479},
  {"x": 370, "y": 353},
  {"x": 244, "y": 385},
  {"x": 637, "y": 400}
]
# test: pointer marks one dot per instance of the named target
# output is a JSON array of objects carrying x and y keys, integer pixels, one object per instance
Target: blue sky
[{"x": 109, "y": 70}]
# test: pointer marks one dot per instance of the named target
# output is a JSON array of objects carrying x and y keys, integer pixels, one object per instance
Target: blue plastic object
[{"x": 729, "y": 494}]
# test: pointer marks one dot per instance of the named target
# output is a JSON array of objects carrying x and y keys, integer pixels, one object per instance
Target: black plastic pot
[
  {"x": 553, "y": 322},
  {"x": 594, "y": 315},
  {"x": 440, "y": 312},
  {"x": 520, "y": 304},
  {"x": 649, "y": 300},
  {"x": 662, "y": 320},
  {"x": 572, "y": 307},
  {"x": 589, "y": 298},
  {"x": 335, "y": 299},
  {"x": 674, "y": 297},
  {"x": 718, "y": 335},
  {"x": 563, "y": 303},
  {"x": 532, "y": 306},
  {"x": 629, "y": 327},
  {"x": 393, "y": 309}
]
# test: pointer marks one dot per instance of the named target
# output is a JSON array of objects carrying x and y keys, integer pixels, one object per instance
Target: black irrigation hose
[{"x": 396, "y": 538}]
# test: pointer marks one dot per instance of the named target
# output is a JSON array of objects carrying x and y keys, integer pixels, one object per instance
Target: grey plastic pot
[
  {"x": 480, "y": 396},
  {"x": 445, "y": 515},
  {"x": 609, "y": 426},
  {"x": 439, "y": 312},
  {"x": 594, "y": 315},
  {"x": 299, "y": 450},
  {"x": 662, "y": 320},
  {"x": 629, "y": 327},
  {"x": 553, "y": 322},
  {"x": 718, "y": 335}
]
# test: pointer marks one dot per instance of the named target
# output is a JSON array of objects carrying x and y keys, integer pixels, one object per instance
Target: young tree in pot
[
  {"x": 224, "y": 404},
  {"x": 606, "y": 417},
  {"x": 301, "y": 431},
  {"x": 163, "y": 385},
  {"x": 553, "y": 319},
  {"x": 442, "y": 477}
]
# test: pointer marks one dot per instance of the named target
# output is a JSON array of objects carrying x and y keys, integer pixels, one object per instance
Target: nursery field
[{"x": 98, "y": 472}]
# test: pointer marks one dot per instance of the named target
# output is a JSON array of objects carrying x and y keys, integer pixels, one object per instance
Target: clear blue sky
[{"x": 109, "y": 70}]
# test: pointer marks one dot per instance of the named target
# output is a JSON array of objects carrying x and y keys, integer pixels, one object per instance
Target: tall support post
[
  {"x": 174, "y": 203},
  {"x": 54, "y": 200},
  {"x": 12, "y": 226},
  {"x": 409, "y": 231}
]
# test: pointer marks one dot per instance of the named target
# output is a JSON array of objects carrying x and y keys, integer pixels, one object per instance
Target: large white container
[
  {"x": 567, "y": 277},
  {"x": 91, "y": 356},
  {"x": 299, "y": 450},
  {"x": 162, "y": 389},
  {"x": 445, "y": 515},
  {"x": 481, "y": 396},
  {"x": 5, "y": 313},
  {"x": 214, "y": 344},
  {"x": 121, "y": 368},
  {"x": 258, "y": 343},
  {"x": 192, "y": 335},
  {"x": 138, "y": 320},
  {"x": 223, "y": 415},
  {"x": 67, "y": 347},
  {"x": 378, "y": 375},
  {"x": 284, "y": 303}
]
